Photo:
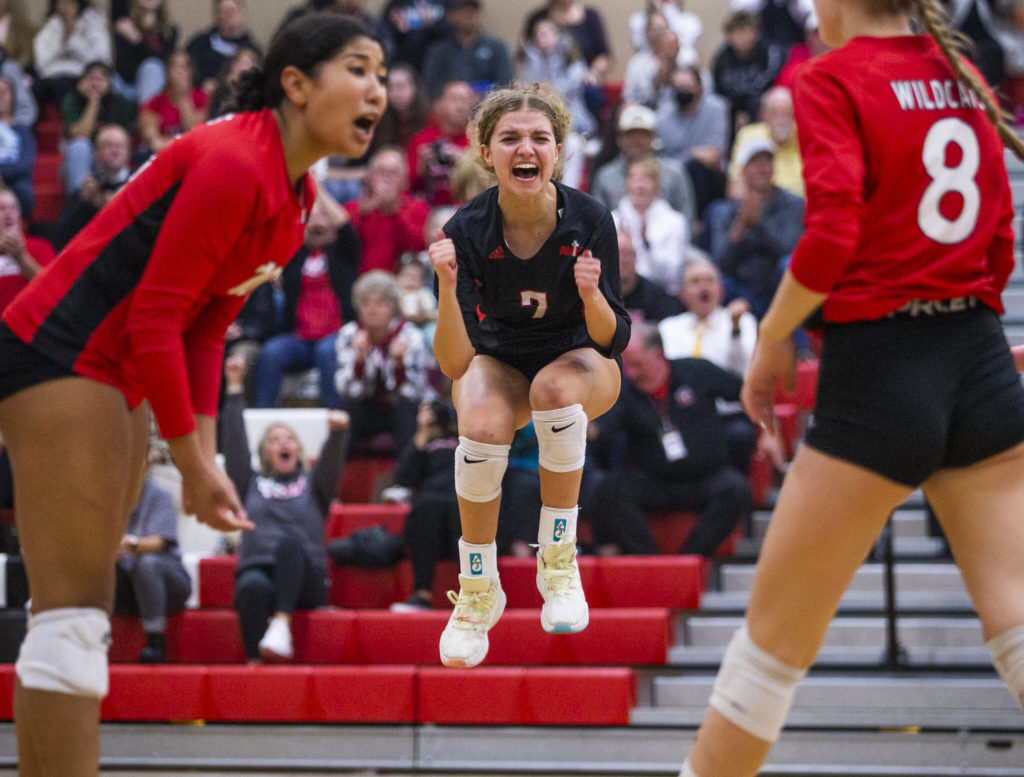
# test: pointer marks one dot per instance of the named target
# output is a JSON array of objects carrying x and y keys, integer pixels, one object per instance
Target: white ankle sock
[
  {"x": 556, "y": 524},
  {"x": 478, "y": 560}
]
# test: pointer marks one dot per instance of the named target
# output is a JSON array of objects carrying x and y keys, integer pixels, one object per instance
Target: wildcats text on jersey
[{"x": 934, "y": 95}]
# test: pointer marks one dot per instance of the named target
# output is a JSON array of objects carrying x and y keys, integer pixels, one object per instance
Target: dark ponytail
[{"x": 306, "y": 44}]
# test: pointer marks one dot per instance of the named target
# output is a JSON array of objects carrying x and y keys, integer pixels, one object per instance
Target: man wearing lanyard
[{"x": 675, "y": 447}]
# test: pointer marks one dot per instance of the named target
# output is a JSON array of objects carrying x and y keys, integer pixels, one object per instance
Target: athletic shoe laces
[
  {"x": 472, "y": 608},
  {"x": 560, "y": 570}
]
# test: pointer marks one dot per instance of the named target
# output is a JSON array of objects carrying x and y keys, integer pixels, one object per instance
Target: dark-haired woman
[{"x": 135, "y": 310}]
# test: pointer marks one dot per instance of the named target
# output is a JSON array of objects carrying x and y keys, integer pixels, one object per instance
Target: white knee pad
[
  {"x": 1008, "y": 655},
  {"x": 561, "y": 438},
  {"x": 479, "y": 468},
  {"x": 754, "y": 689},
  {"x": 65, "y": 651}
]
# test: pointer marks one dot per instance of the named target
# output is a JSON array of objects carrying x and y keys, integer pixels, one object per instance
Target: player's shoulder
[
  {"x": 239, "y": 144},
  {"x": 581, "y": 207},
  {"x": 474, "y": 217}
]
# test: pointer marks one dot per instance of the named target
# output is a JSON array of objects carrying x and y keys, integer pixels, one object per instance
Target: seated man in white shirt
[{"x": 724, "y": 335}]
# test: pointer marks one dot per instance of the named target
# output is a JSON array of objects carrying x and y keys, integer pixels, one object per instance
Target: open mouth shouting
[{"x": 525, "y": 172}]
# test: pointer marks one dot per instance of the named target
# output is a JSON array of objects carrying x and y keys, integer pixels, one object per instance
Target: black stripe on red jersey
[{"x": 102, "y": 286}]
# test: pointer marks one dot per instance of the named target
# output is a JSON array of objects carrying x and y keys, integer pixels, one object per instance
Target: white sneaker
[
  {"x": 276, "y": 644},
  {"x": 477, "y": 607},
  {"x": 565, "y": 608}
]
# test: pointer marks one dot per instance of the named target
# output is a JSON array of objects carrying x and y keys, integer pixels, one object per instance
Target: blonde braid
[{"x": 934, "y": 21}]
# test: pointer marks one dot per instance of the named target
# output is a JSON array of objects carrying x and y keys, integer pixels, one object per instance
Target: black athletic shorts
[
  {"x": 531, "y": 363},
  {"x": 22, "y": 366},
  {"x": 917, "y": 391}
]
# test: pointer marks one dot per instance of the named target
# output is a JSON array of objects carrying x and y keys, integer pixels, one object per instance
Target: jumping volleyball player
[
  {"x": 530, "y": 322},
  {"x": 135, "y": 309},
  {"x": 908, "y": 244}
]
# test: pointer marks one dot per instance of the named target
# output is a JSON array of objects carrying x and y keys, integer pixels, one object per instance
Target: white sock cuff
[
  {"x": 1007, "y": 651},
  {"x": 557, "y": 524},
  {"x": 687, "y": 770},
  {"x": 478, "y": 560},
  {"x": 1003, "y": 643}
]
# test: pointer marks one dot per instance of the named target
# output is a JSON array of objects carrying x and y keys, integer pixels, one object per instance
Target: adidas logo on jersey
[{"x": 497, "y": 253}]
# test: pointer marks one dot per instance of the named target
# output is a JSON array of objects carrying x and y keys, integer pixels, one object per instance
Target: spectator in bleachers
[
  {"x": 675, "y": 447},
  {"x": 410, "y": 26},
  {"x": 255, "y": 324},
  {"x": 434, "y": 150},
  {"x": 151, "y": 579},
  {"x": 282, "y": 562},
  {"x": 643, "y": 298},
  {"x": 211, "y": 48},
  {"x": 26, "y": 111},
  {"x": 694, "y": 129},
  {"x": 407, "y": 109},
  {"x": 317, "y": 285},
  {"x": 749, "y": 237},
  {"x": 222, "y": 99},
  {"x": 21, "y": 256},
  {"x": 466, "y": 53},
  {"x": 635, "y": 139},
  {"x": 649, "y": 70},
  {"x": 90, "y": 105},
  {"x": 73, "y": 35},
  {"x": 176, "y": 109},
  {"x": 389, "y": 220},
  {"x": 17, "y": 150},
  {"x": 776, "y": 123},
  {"x": 725, "y": 336},
  {"x": 660, "y": 234},
  {"x": 426, "y": 466},
  {"x": 801, "y": 53},
  {"x": 15, "y": 34},
  {"x": 744, "y": 68},
  {"x": 144, "y": 40},
  {"x": 781, "y": 21},
  {"x": 419, "y": 306},
  {"x": 549, "y": 56},
  {"x": 111, "y": 168},
  {"x": 587, "y": 28},
  {"x": 686, "y": 25},
  {"x": 382, "y": 363}
]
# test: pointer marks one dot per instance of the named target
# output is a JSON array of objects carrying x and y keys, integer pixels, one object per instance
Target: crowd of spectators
[{"x": 698, "y": 160}]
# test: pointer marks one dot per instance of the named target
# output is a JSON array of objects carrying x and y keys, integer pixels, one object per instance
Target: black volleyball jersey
[{"x": 526, "y": 306}]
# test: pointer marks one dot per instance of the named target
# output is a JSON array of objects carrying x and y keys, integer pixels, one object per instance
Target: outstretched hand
[
  {"x": 588, "y": 273},
  {"x": 442, "y": 256},
  {"x": 772, "y": 364},
  {"x": 210, "y": 495}
]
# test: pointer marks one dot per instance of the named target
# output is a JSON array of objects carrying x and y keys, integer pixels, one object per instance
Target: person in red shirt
[
  {"x": 134, "y": 311},
  {"x": 178, "y": 108},
  {"x": 908, "y": 244},
  {"x": 390, "y": 221},
  {"x": 434, "y": 150},
  {"x": 21, "y": 256}
]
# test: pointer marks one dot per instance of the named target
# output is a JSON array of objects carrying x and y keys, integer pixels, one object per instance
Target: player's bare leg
[
  {"x": 78, "y": 456},
  {"x": 980, "y": 510},
  {"x": 828, "y": 516},
  {"x": 576, "y": 387},
  {"x": 491, "y": 400}
]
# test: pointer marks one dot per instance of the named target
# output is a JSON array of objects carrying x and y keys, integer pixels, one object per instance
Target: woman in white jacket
[
  {"x": 660, "y": 234},
  {"x": 74, "y": 34}
]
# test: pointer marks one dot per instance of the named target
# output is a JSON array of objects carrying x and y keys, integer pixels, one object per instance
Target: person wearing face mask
[
  {"x": 777, "y": 126},
  {"x": 694, "y": 128}
]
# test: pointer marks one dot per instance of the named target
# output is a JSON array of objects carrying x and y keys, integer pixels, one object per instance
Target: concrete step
[
  {"x": 850, "y": 641},
  {"x": 938, "y": 578},
  {"x": 834, "y": 700},
  {"x": 857, "y": 602}
]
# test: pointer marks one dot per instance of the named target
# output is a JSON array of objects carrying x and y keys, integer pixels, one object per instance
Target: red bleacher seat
[
  {"x": 49, "y": 202},
  {"x": 49, "y": 130},
  {"x": 655, "y": 581},
  {"x": 156, "y": 693},
  {"x": 585, "y": 696},
  {"x": 670, "y": 530},
  {"x": 47, "y": 169},
  {"x": 6, "y": 691},
  {"x": 360, "y": 477},
  {"x": 217, "y": 581},
  {"x": 806, "y": 386},
  {"x": 345, "y": 518}
]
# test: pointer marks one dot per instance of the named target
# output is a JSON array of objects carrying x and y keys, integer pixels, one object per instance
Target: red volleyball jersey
[
  {"x": 141, "y": 298},
  {"x": 907, "y": 191}
]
